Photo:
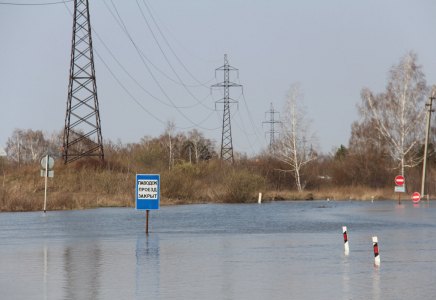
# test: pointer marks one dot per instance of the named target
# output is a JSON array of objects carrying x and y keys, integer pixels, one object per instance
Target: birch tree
[
  {"x": 199, "y": 145},
  {"x": 27, "y": 145},
  {"x": 398, "y": 115},
  {"x": 167, "y": 140},
  {"x": 295, "y": 142}
]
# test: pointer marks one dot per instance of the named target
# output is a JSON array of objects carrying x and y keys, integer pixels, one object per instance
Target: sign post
[
  {"x": 399, "y": 180},
  {"x": 47, "y": 162},
  {"x": 147, "y": 194}
]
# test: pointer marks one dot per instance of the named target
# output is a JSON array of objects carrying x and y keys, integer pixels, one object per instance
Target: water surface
[{"x": 277, "y": 250}]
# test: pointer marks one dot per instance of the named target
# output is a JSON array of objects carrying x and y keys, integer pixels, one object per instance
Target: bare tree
[
  {"x": 398, "y": 115},
  {"x": 294, "y": 146},
  {"x": 199, "y": 145},
  {"x": 170, "y": 128},
  {"x": 27, "y": 145}
]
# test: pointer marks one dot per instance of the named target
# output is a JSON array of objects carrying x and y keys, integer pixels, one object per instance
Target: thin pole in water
[
  {"x": 376, "y": 251},
  {"x": 46, "y": 175},
  {"x": 344, "y": 231},
  {"x": 146, "y": 222}
]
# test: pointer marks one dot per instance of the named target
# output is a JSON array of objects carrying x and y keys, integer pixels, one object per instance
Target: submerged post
[
  {"x": 47, "y": 163},
  {"x": 147, "y": 194},
  {"x": 146, "y": 222},
  {"x": 46, "y": 175},
  {"x": 344, "y": 231},
  {"x": 376, "y": 251}
]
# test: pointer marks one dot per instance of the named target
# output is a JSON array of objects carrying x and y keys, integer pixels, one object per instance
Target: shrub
[
  {"x": 176, "y": 184},
  {"x": 241, "y": 186}
]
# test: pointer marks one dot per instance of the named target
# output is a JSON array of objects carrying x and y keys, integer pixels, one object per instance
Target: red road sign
[
  {"x": 399, "y": 180},
  {"x": 416, "y": 197}
]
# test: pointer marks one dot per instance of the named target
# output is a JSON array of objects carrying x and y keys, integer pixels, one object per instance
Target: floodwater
[{"x": 277, "y": 250}]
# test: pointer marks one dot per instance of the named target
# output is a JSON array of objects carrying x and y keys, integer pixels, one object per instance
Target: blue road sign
[{"x": 147, "y": 192}]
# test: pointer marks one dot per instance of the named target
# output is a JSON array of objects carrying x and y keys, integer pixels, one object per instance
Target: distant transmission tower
[
  {"x": 272, "y": 112},
  {"x": 226, "y": 140},
  {"x": 82, "y": 133}
]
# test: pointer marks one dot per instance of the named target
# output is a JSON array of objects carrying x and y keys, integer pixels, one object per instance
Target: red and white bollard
[
  {"x": 344, "y": 231},
  {"x": 376, "y": 252}
]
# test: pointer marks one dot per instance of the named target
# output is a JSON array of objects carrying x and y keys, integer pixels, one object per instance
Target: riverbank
[
  {"x": 13, "y": 201},
  {"x": 87, "y": 186}
]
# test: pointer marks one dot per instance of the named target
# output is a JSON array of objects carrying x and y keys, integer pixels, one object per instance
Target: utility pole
[
  {"x": 226, "y": 140},
  {"x": 272, "y": 112},
  {"x": 82, "y": 133},
  {"x": 424, "y": 166}
]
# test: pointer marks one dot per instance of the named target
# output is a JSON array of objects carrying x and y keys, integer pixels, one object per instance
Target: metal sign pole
[{"x": 46, "y": 175}]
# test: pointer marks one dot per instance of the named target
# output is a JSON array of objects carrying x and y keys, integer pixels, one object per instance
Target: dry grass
[
  {"x": 339, "y": 193},
  {"x": 83, "y": 186}
]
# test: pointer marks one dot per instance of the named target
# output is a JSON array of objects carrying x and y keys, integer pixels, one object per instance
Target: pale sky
[{"x": 333, "y": 48}]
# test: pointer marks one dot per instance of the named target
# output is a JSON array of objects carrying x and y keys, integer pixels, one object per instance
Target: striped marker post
[
  {"x": 344, "y": 231},
  {"x": 376, "y": 252}
]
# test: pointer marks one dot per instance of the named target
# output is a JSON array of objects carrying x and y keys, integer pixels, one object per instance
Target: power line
[
  {"x": 124, "y": 29},
  {"x": 160, "y": 87},
  {"x": 124, "y": 69},
  {"x": 251, "y": 119},
  {"x": 33, "y": 4},
  {"x": 161, "y": 50},
  {"x": 166, "y": 41},
  {"x": 137, "y": 102},
  {"x": 151, "y": 95},
  {"x": 205, "y": 60}
]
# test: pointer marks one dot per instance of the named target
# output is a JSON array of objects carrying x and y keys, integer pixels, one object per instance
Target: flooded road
[{"x": 277, "y": 250}]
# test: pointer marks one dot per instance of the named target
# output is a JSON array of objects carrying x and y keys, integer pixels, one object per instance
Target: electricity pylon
[
  {"x": 272, "y": 112},
  {"x": 226, "y": 140},
  {"x": 82, "y": 133}
]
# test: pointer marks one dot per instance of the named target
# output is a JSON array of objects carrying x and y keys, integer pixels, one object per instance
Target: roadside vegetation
[{"x": 387, "y": 141}]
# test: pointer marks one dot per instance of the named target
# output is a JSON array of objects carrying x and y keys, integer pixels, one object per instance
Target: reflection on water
[
  {"x": 227, "y": 269},
  {"x": 82, "y": 270},
  {"x": 346, "y": 275},
  {"x": 376, "y": 283},
  {"x": 45, "y": 273},
  {"x": 278, "y": 250},
  {"x": 147, "y": 267}
]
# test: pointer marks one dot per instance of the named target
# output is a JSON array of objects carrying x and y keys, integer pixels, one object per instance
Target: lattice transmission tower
[
  {"x": 82, "y": 133},
  {"x": 272, "y": 121},
  {"x": 226, "y": 140}
]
